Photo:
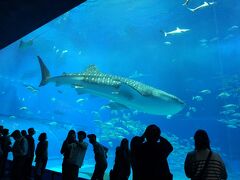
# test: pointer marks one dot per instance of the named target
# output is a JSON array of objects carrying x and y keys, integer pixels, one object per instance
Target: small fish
[
  {"x": 197, "y": 98},
  {"x": 204, "y": 5},
  {"x": 233, "y": 28},
  {"x": 53, "y": 123},
  {"x": 232, "y": 126},
  {"x": 193, "y": 109},
  {"x": 203, "y": 41},
  {"x": 12, "y": 117},
  {"x": 214, "y": 39},
  {"x": 223, "y": 95},
  {"x": 230, "y": 106},
  {"x": 136, "y": 74},
  {"x": 174, "y": 32},
  {"x": 236, "y": 115},
  {"x": 31, "y": 88},
  {"x": 23, "y": 108},
  {"x": 227, "y": 112},
  {"x": 205, "y": 92},
  {"x": 167, "y": 43},
  {"x": 80, "y": 100}
]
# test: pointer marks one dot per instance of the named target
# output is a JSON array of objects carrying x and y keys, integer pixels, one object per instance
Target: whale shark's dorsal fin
[{"x": 92, "y": 69}]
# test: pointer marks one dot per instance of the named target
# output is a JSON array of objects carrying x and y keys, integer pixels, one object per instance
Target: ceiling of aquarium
[{"x": 178, "y": 64}]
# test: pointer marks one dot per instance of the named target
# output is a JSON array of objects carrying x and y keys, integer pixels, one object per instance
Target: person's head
[
  {"x": 42, "y": 137},
  {"x": 124, "y": 143},
  {"x": 5, "y": 131},
  {"x": 16, "y": 134},
  {"x": 152, "y": 133},
  {"x": 71, "y": 135},
  {"x": 201, "y": 140},
  {"x": 81, "y": 135},
  {"x": 92, "y": 138},
  {"x": 31, "y": 131},
  {"x": 24, "y": 133}
]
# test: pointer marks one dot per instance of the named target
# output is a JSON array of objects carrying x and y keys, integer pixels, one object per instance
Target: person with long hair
[
  {"x": 202, "y": 163},
  {"x": 122, "y": 168},
  {"x": 41, "y": 156}
]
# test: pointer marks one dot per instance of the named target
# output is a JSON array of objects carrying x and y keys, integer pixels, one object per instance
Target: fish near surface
[{"x": 128, "y": 92}]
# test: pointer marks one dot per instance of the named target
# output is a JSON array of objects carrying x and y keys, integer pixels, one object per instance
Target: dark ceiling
[{"x": 20, "y": 17}]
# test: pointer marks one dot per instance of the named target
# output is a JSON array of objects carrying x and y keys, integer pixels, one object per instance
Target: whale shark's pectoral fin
[
  {"x": 126, "y": 91},
  {"x": 143, "y": 91}
]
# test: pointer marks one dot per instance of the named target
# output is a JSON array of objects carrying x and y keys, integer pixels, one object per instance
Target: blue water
[{"x": 124, "y": 37}]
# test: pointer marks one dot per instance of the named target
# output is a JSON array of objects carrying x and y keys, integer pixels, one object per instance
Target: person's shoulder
[
  {"x": 216, "y": 156},
  {"x": 192, "y": 153}
]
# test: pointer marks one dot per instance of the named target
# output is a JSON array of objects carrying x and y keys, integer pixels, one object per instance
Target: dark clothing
[
  {"x": 31, "y": 146},
  {"x": 121, "y": 169},
  {"x": 135, "y": 154},
  {"x": 30, "y": 156},
  {"x": 195, "y": 161},
  {"x": 19, "y": 149},
  {"x": 68, "y": 170},
  {"x": 5, "y": 143},
  {"x": 18, "y": 168},
  {"x": 152, "y": 159},
  {"x": 100, "y": 153},
  {"x": 99, "y": 171},
  {"x": 41, "y": 159}
]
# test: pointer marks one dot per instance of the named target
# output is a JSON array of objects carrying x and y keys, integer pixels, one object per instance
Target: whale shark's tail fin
[{"x": 45, "y": 72}]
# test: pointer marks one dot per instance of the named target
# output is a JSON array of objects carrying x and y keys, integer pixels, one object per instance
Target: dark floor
[{"x": 48, "y": 175}]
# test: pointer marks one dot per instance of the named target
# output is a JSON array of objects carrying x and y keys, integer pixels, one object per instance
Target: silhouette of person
[
  {"x": 151, "y": 155},
  {"x": 6, "y": 147},
  {"x": 24, "y": 133},
  {"x": 41, "y": 156},
  {"x": 202, "y": 163},
  {"x": 121, "y": 169},
  {"x": 19, "y": 150},
  {"x": 67, "y": 170},
  {"x": 77, "y": 154},
  {"x": 30, "y": 154},
  {"x": 100, "y": 153}
]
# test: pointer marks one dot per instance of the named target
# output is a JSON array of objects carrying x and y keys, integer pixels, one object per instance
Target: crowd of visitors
[{"x": 147, "y": 156}]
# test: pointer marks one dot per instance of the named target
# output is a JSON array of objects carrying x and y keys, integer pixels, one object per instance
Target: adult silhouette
[
  {"x": 202, "y": 163},
  {"x": 100, "y": 153},
  {"x": 121, "y": 169},
  {"x": 151, "y": 153}
]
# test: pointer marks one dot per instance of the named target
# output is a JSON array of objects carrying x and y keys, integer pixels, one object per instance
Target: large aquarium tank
[{"x": 114, "y": 67}]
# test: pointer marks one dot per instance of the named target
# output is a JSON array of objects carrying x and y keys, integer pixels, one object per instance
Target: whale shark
[{"x": 125, "y": 91}]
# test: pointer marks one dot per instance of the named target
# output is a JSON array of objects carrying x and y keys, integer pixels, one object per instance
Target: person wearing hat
[
  {"x": 100, "y": 153},
  {"x": 6, "y": 147},
  {"x": 30, "y": 154},
  {"x": 19, "y": 150}
]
